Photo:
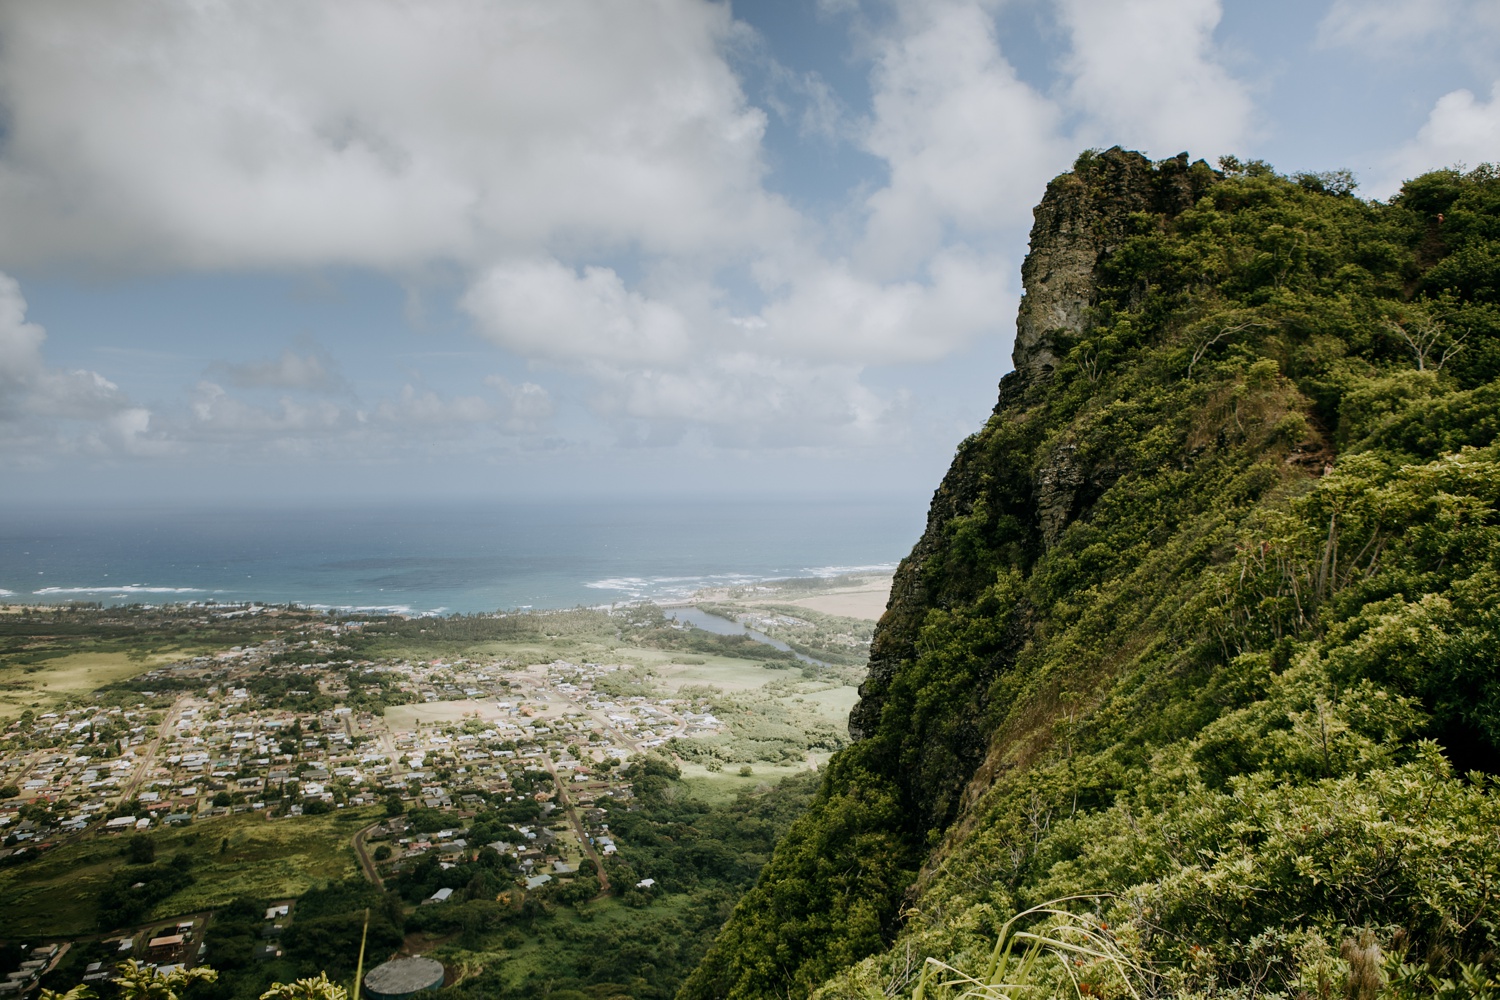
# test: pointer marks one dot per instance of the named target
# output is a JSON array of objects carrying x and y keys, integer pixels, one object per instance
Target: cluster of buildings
[
  {"x": 38, "y": 962},
  {"x": 246, "y": 730}
]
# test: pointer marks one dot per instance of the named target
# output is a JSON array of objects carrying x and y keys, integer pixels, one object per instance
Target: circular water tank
[{"x": 402, "y": 977}]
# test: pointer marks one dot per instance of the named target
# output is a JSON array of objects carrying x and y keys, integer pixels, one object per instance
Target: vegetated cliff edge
[{"x": 1205, "y": 623}]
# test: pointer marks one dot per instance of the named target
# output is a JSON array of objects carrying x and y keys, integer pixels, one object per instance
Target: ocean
[{"x": 441, "y": 558}]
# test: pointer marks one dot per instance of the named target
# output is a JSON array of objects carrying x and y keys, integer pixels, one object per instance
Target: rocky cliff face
[
  {"x": 1082, "y": 218},
  {"x": 1148, "y": 662}
]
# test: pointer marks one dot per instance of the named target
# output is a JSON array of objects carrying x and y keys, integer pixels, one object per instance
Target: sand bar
[{"x": 867, "y": 601}]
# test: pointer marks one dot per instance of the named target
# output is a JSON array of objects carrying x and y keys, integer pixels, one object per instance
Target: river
[{"x": 725, "y": 626}]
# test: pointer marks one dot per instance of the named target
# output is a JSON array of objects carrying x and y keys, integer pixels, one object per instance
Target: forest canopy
[{"x": 1202, "y": 636}]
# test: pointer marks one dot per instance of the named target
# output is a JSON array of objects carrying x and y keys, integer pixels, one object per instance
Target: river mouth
[{"x": 695, "y": 617}]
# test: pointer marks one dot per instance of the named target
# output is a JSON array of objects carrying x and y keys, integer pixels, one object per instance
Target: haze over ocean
[{"x": 439, "y": 557}]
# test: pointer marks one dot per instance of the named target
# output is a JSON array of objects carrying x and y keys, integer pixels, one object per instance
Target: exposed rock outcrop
[{"x": 1083, "y": 217}]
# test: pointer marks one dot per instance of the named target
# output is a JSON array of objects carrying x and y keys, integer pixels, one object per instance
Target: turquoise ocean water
[{"x": 440, "y": 558}]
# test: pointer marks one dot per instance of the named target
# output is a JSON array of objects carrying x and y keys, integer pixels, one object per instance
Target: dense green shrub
[{"x": 1235, "y": 679}]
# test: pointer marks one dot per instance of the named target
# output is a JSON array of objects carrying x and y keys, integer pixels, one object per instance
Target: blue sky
[{"x": 461, "y": 248}]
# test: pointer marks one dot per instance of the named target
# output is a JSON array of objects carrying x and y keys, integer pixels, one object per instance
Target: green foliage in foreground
[
  {"x": 1203, "y": 636},
  {"x": 701, "y": 858},
  {"x": 564, "y": 939}
]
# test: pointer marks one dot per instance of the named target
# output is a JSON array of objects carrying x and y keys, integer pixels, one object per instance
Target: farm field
[
  {"x": 57, "y": 894},
  {"x": 44, "y": 685}
]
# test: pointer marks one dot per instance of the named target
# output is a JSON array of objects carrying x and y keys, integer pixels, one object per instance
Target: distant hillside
[{"x": 1203, "y": 628}]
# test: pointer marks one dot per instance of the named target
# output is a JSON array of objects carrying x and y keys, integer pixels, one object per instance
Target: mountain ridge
[{"x": 1245, "y": 455}]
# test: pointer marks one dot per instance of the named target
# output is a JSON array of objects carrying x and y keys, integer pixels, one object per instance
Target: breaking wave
[{"x": 129, "y": 588}]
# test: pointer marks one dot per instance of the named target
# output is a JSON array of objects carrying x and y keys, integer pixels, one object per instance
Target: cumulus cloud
[
  {"x": 835, "y": 313},
  {"x": 47, "y": 408},
  {"x": 594, "y": 177},
  {"x": 969, "y": 145},
  {"x": 821, "y": 311},
  {"x": 20, "y": 341},
  {"x": 1147, "y": 74},
  {"x": 526, "y": 408},
  {"x": 50, "y": 411},
  {"x": 525, "y": 143},
  {"x": 372, "y": 132},
  {"x": 324, "y": 426},
  {"x": 545, "y": 309},
  {"x": 220, "y": 415},
  {"x": 1461, "y": 129},
  {"x": 76, "y": 395},
  {"x": 747, "y": 400}
]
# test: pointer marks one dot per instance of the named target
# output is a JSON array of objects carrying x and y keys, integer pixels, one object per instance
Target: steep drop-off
[{"x": 1204, "y": 628}]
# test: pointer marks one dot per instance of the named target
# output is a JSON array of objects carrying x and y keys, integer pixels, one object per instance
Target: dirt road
[
  {"x": 578, "y": 830},
  {"x": 132, "y": 787},
  {"x": 366, "y": 863}
]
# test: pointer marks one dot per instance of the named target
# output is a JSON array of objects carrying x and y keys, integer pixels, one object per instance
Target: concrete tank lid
[{"x": 404, "y": 975}]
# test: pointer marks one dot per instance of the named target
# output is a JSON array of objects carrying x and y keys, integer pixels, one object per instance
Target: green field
[
  {"x": 52, "y": 655},
  {"x": 57, "y": 894},
  {"x": 46, "y": 684},
  {"x": 720, "y": 787},
  {"x": 554, "y": 942}
]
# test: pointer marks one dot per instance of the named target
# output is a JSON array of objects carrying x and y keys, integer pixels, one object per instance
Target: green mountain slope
[{"x": 1204, "y": 625}]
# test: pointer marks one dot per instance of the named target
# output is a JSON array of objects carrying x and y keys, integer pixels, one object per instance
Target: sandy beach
[
  {"x": 865, "y": 601},
  {"x": 865, "y": 598}
]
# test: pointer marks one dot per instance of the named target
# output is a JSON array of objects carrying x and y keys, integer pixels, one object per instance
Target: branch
[{"x": 1226, "y": 332}]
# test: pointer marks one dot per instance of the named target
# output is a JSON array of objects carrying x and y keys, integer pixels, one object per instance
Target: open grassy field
[
  {"x": 719, "y": 787},
  {"x": 48, "y": 655},
  {"x": 57, "y": 893},
  {"x": 539, "y": 956},
  {"x": 717, "y": 671},
  {"x": 833, "y": 702},
  {"x": 432, "y": 713},
  {"x": 42, "y": 685}
]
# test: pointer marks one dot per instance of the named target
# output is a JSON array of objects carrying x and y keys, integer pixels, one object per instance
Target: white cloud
[
  {"x": 20, "y": 341},
  {"x": 674, "y": 363},
  {"x": 961, "y": 134},
  {"x": 130, "y": 431},
  {"x": 1460, "y": 129},
  {"x": 52, "y": 412},
  {"x": 525, "y": 408},
  {"x": 806, "y": 102},
  {"x": 1402, "y": 34},
  {"x": 545, "y": 153},
  {"x": 746, "y": 400},
  {"x": 1148, "y": 76},
  {"x": 322, "y": 426},
  {"x": 545, "y": 309},
  {"x": 374, "y": 132},
  {"x": 969, "y": 145},
  {"x": 218, "y": 415},
  {"x": 35, "y": 398},
  {"x": 414, "y": 406},
  {"x": 77, "y": 395},
  {"x": 832, "y": 312}
]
